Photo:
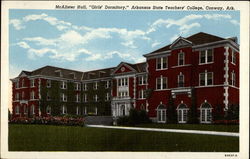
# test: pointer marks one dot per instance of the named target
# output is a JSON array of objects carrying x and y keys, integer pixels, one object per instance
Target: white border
[{"x": 243, "y": 6}]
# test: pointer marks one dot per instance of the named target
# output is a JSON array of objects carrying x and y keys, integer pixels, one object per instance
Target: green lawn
[
  {"x": 67, "y": 138},
  {"x": 207, "y": 127}
]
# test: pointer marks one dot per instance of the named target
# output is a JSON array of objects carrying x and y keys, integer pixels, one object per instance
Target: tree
[
  {"x": 171, "y": 111},
  {"x": 192, "y": 114}
]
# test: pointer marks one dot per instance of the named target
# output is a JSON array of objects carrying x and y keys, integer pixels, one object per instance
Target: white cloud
[
  {"x": 17, "y": 24},
  {"x": 186, "y": 28},
  {"x": 156, "y": 43},
  {"x": 129, "y": 44},
  {"x": 94, "y": 57},
  {"x": 70, "y": 38},
  {"x": 235, "y": 22},
  {"x": 23, "y": 44},
  {"x": 41, "y": 41},
  {"x": 173, "y": 38},
  {"x": 217, "y": 16}
]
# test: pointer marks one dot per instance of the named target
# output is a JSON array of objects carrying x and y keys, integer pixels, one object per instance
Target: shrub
[{"x": 135, "y": 117}]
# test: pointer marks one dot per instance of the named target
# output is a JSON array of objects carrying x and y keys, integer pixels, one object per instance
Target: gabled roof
[
  {"x": 196, "y": 39},
  {"x": 102, "y": 73},
  {"x": 138, "y": 67}
]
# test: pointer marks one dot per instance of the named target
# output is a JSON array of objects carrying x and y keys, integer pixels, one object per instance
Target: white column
[{"x": 226, "y": 75}]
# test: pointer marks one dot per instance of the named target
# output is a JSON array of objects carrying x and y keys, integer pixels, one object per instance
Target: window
[
  {"x": 206, "y": 78},
  {"x": 181, "y": 59},
  {"x": 23, "y": 84},
  {"x": 32, "y": 109},
  {"x": 233, "y": 79},
  {"x": 96, "y": 98},
  {"x": 17, "y": 109},
  {"x": 233, "y": 57},
  {"x": 25, "y": 109},
  {"x": 77, "y": 86},
  {"x": 123, "y": 94},
  {"x": 161, "y": 63},
  {"x": 95, "y": 85},
  {"x": 48, "y": 96},
  {"x": 85, "y": 110},
  {"x": 17, "y": 96},
  {"x": 141, "y": 94},
  {"x": 161, "y": 83},
  {"x": 161, "y": 113},
  {"x": 32, "y": 95},
  {"x": 182, "y": 111},
  {"x": 107, "y": 96},
  {"x": 206, "y": 56},
  {"x": 77, "y": 97},
  {"x": 63, "y": 97},
  {"x": 123, "y": 82},
  {"x": 85, "y": 86},
  {"x": 108, "y": 84},
  {"x": 63, "y": 85},
  {"x": 181, "y": 80},
  {"x": 77, "y": 110},
  {"x": 32, "y": 83},
  {"x": 17, "y": 84},
  {"x": 64, "y": 109},
  {"x": 48, "y": 109},
  {"x": 142, "y": 80},
  {"x": 85, "y": 98},
  {"x": 205, "y": 113},
  {"x": 23, "y": 95},
  {"x": 48, "y": 83}
]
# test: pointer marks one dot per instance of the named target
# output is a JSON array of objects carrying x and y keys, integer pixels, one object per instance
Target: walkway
[{"x": 169, "y": 130}]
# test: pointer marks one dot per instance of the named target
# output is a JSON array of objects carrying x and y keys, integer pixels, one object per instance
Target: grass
[
  {"x": 206, "y": 127},
  {"x": 70, "y": 138}
]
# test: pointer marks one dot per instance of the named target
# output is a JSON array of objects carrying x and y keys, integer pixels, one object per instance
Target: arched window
[
  {"x": 17, "y": 109},
  {"x": 48, "y": 109},
  {"x": 161, "y": 113},
  {"x": 206, "y": 113},
  {"x": 182, "y": 111},
  {"x": 32, "y": 109}
]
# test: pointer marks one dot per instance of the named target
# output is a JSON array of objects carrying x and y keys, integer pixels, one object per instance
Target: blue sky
[{"x": 87, "y": 40}]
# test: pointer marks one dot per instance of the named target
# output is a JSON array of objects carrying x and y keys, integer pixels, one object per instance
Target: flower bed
[{"x": 55, "y": 120}]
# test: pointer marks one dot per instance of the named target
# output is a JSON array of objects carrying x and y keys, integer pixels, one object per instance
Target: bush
[
  {"x": 135, "y": 117},
  {"x": 55, "y": 120}
]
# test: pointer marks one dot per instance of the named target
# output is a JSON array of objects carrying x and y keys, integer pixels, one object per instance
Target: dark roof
[
  {"x": 139, "y": 67},
  {"x": 102, "y": 73},
  {"x": 196, "y": 39}
]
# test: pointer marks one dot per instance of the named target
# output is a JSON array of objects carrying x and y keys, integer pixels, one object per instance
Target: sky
[{"x": 89, "y": 40}]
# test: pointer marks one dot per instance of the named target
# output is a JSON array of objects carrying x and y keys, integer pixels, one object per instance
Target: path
[{"x": 169, "y": 130}]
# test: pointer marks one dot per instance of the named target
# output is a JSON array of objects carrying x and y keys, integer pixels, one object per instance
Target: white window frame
[
  {"x": 233, "y": 78},
  {"x": 142, "y": 80},
  {"x": 206, "y": 56},
  {"x": 206, "y": 78},
  {"x": 32, "y": 83},
  {"x": 85, "y": 97},
  {"x": 17, "y": 109},
  {"x": 108, "y": 84},
  {"x": 32, "y": 109},
  {"x": 142, "y": 94},
  {"x": 48, "y": 96},
  {"x": 23, "y": 83},
  {"x": 233, "y": 57},
  {"x": 96, "y": 98},
  {"x": 17, "y": 96},
  {"x": 48, "y": 109},
  {"x": 161, "y": 63},
  {"x": 25, "y": 109},
  {"x": 32, "y": 95},
  {"x": 85, "y": 86},
  {"x": 181, "y": 81},
  {"x": 78, "y": 97},
  {"x": 48, "y": 83},
  {"x": 181, "y": 115},
  {"x": 85, "y": 111},
  {"x": 181, "y": 53},
  {"x": 64, "y": 109},
  {"x": 162, "y": 115},
  {"x": 95, "y": 86},
  {"x": 107, "y": 96},
  {"x": 77, "y": 110},
  {"x": 77, "y": 86},
  {"x": 162, "y": 79},
  {"x": 207, "y": 112},
  {"x": 23, "y": 95},
  {"x": 63, "y": 97},
  {"x": 63, "y": 85}
]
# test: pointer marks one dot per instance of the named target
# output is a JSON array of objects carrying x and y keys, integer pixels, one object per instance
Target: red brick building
[{"x": 200, "y": 70}]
